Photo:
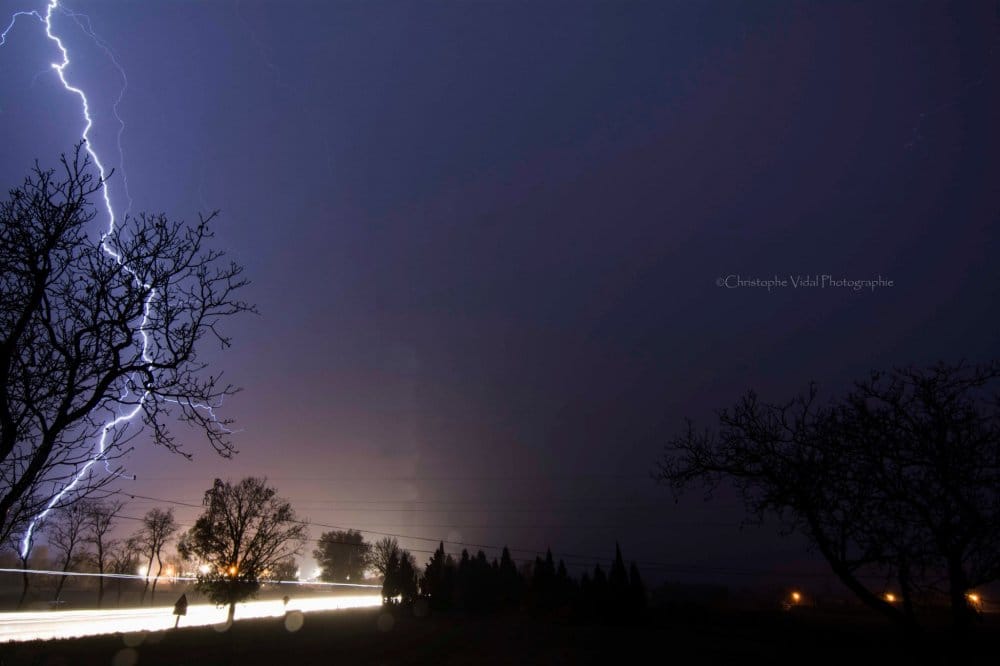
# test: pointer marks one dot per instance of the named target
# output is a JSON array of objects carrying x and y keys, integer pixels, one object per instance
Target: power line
[
  {"x": 662, "y": 566},
  {"x": 535, "y": 507},
  {"x": 498, "y": 477}
]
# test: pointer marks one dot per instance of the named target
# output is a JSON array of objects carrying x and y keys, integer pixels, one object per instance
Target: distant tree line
[
  {"x": 477, "y": 584},
  {"x": 79, "y": 537},
  {"x": 246, "y": 536}
]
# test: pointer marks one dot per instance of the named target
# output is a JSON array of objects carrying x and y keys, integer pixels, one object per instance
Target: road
[{"x": 26, "y": 626}]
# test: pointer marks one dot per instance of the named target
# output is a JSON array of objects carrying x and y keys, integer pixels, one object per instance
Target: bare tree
[
  {"x": 100, "y": 518},
  {"x": 897, "y": 481},
  {"x": 123, "y": 559},
  {"x": 382, "y": 552},
  {"x": 91, "y": 329},
  {"x": 157, "y": 528},
  {"x": 245, "y": 531},
  {"x": 67, "y": 536}
]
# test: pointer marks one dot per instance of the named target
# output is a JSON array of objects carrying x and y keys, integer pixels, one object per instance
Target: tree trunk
[
  {"x": 145, "y": 588},
  {"x": 152, "y": 593},
  {"x": 59, "y": 587},
  {"x": 62, "y": 581},
  {"x": 852, "y": 583},
  {"x": 100, "y": 579},
  {"x": 24, "y": 588},
  {"x": 232, "y": 612},
  {"x": 961, "y": 613}
]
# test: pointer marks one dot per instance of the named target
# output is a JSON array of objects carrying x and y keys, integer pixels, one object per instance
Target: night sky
[{"x": 485, "y": 237}]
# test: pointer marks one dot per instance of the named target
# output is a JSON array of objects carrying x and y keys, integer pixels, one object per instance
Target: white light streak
[{"x": 71, "y": 624}]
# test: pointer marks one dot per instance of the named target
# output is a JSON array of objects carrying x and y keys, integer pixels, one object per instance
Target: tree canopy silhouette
[
  {"x": 158, "y": 527},
  {"x": 93, "y": 327},
  {"x": 343, "y": 556},
  {"x": 898, "y": 480},
  {"x": 245, "y": 532}
]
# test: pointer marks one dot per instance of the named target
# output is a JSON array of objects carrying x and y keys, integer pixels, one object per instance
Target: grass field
[{"x": 375, "y": 637}]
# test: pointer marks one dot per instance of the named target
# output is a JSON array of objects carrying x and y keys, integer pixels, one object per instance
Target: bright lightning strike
[
  {"x": 60, "y": 69},
  {"x": 80, "y": 19}
]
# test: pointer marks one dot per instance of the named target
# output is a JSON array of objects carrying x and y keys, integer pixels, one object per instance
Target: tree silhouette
[
  {"x": 75, "y": 311},
  {"x": 637, "y": 589},
  {"x": 438, "y": 580},
  {"x": 100, "y": 521},
  {"x": 618, "y": 588},
  {"x": 599, "y": 596},
  {"x": 543, "y": 581},
  {"x": 391, "y": 587},
  {"x": 343, "y": 556},
  {"x": 407, "y": 577},
  {"x": 245, "y": 531},
  {"x": 157, "y": 528},
  {"x": 474, "y": 584},
  {"x": 509, "y": 581},
  {"x": 123, "y": 558},
  {"x": 899, "y": 479},
  {"x": 400, "y": 578},
  {"x": 381, "y": 553},
  {"x": 67, "y": 536},
  {"x": 286, "y": 569}
]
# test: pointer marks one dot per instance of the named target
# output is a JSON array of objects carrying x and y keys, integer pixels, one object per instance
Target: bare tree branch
[{"x": 95, "y": 329}]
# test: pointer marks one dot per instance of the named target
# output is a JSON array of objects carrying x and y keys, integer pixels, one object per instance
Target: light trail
[
  {"x": 47, "y": 625},
  {"x": 52, "y": 572}
]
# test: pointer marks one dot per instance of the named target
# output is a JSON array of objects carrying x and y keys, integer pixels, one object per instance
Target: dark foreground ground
[{"x": 375, "y": 637}]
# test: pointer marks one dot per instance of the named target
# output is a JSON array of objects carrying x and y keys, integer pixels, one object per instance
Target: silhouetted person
[
  {"x": 285, "y": 599},
  {"x": 180, "y": 608}
]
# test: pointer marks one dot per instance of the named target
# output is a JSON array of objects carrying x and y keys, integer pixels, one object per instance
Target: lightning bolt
[{"x": 83, "y": 22}]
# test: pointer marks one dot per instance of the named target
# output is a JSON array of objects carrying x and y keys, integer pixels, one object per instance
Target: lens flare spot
[{"x": 294, "y": 621}]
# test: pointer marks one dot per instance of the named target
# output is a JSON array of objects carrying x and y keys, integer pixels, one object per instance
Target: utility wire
[{"x": 662, "y": 566}]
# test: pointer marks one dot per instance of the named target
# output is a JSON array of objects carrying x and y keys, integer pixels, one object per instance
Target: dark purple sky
[{"x": 484, "y": 237}]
